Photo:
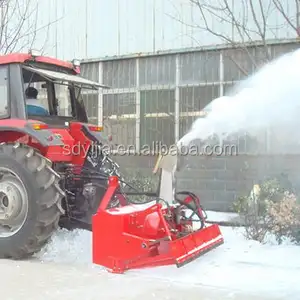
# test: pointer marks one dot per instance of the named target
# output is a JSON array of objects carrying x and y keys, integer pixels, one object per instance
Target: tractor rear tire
[{"x": 39, "y": 184}]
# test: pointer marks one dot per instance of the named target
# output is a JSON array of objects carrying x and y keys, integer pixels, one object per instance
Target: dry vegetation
[{"x": 271, "y": 208}]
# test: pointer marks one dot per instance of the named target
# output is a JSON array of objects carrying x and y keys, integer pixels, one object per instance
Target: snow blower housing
[{"x": 157, "y": 233}]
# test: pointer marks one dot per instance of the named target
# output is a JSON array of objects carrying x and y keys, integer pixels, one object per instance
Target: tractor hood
[{"x": 63, "y": 78}]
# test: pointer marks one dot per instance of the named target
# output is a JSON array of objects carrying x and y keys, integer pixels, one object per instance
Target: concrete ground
[{"x": 36, "y": 280}]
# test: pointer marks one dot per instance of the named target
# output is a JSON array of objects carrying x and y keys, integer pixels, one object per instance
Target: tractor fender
[{"x": 44, "y": 136}]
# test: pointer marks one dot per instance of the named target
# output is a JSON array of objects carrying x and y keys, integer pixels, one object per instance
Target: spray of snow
[{"x": 268, "y": 99}]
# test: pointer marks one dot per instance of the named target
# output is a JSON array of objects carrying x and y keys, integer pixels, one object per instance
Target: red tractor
[
  {"x": 40, "y": 185},
  {"x": 45, "y": 183}
]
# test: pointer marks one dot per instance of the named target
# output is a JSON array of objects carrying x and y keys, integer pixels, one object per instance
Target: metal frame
[
  {"x": 16, "y": 92},
  {"x": 137, "y": 107},
  {"x": 100, "y": 96},
  {"x": 214, "y": 47}
]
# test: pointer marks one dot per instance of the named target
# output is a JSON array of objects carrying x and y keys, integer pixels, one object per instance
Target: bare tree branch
[
  {"x": 19, "y": 25},
  {"x": 250, "y": 23},
  {"x": 283, "y": 13}
]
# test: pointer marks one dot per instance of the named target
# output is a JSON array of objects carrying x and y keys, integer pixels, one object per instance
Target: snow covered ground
[{"x": 239, "y": 269}]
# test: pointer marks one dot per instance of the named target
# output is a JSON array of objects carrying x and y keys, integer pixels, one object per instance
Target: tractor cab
[
  {"x": 58, "y": 84},
  {"x": 42, "y": 106}
]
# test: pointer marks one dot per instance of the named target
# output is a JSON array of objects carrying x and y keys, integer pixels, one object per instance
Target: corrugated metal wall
[
  {"x": 91, "y": 28},
  {"x": 157, "y": 98}
]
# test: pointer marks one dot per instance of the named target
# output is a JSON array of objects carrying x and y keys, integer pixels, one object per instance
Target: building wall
[
  {"x": 218, "y": 181},
  {"x": 157, "y": 98},
  {"x": 92, "y": 28}
]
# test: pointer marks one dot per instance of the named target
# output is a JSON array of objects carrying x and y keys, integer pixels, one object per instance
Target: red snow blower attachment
[{"x": 157, "y": 233}]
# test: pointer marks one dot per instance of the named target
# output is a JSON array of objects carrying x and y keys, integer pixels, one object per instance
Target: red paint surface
[
  {"x": 140, "y": 236},
  {"x": 75, "y": 142},
  {"x": 23, "y": 57}
]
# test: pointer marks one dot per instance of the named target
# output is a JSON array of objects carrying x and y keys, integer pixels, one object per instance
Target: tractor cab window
[
  {"x": 63, "y": 100},
  {"x": 36, "y": 94},
  {"x": 3, "y": 92},
  {"x": 54, "y": 98},
  {"x": 49, "y": 101}
]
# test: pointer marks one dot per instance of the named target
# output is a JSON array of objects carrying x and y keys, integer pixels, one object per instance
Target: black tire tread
[{"x": 49, "y": 207}]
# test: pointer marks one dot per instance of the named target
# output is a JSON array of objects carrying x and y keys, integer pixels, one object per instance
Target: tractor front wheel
[{"x": 30, "y": 201}]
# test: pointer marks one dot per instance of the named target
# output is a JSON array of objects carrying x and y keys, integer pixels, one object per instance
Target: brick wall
[{"x": 219, "y": 180}]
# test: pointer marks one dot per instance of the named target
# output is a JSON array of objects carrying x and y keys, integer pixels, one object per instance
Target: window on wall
[
  {"x": 119, "y": 117},
  {"x": 4, "y": 103},
  {"x": 195, "y": 98},
  {"x": 200, "y": 67},
  {"x": 157, "y": 70},
  {"x": 238, "y": 63},
  {"x": 192, "y": 102},
  {"x": 157, "y": 117},
  {"x": 90, "y": 71},
  {"x": 122, "y": 130},
  {"x": 120, "y": 74},
  {"x": 119, "y": 104}
]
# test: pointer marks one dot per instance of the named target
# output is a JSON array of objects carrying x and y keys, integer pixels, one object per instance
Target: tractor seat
[{"x": 36, "y": 110}]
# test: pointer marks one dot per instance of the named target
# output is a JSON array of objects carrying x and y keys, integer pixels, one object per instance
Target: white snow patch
[
  {"x": 241, "y": 265},
  {"x": 238, "y": 264},
  {"x": 70, "y": 247},
  {"x": 219, "y": 216}
]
